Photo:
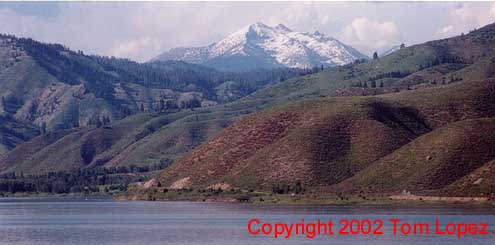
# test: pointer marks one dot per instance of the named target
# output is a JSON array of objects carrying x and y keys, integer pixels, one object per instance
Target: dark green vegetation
[
  {"x": 13, "y": 132},
  {"x": 88, "y": 181},
  {"x": 321, "y": 144}
]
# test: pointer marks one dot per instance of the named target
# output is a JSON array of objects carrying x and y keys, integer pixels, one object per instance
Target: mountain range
[
  {"x": 419, "y": 118},
  {"x": 48, "y": 87},
  {"x": 262, "y": 46}
]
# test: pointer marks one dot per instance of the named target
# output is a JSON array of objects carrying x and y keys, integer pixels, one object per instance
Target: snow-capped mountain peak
[{"x": 262, "y": 46}]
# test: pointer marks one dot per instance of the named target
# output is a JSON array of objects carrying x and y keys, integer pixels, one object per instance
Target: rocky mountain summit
[{"x": 262, "y": 46}]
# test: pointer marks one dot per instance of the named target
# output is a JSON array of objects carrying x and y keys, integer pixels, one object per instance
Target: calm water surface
[{"x": 71, "y": 221}]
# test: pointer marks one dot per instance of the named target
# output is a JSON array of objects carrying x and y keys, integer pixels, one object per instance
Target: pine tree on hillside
[
  {"x": 43, "y": 128},
  {"x": 88, "y": 152}
]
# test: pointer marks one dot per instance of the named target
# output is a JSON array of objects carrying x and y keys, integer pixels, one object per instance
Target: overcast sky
[{"x": 141, "y": 31}]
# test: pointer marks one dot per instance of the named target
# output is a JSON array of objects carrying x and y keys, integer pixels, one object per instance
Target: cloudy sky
[{"x": 140, "y": 31}]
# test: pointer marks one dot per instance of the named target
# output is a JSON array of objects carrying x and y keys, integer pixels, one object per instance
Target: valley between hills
[{"x": 417, "y": 122}]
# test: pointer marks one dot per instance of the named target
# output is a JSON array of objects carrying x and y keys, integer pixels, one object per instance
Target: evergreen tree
[
  {"x": 195, "y": 103},
  {"x": 99, "y": 123},
  {"x": 88, "y": 151},
  {"x": 43, "y": 128},
  {"x": 3, "y": 104}
]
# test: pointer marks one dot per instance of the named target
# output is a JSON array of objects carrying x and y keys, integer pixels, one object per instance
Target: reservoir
[{"x": 104, "y": 221}]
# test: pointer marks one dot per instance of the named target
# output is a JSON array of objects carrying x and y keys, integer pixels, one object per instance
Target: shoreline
[
  {"x": 296, "y": 199},
  {"x": 254, "y": 198},
  {"x": 447, "y": 199},
  {"x": 285, "y": 200}
]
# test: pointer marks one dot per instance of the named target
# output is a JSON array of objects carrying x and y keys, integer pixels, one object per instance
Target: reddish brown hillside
[
  {"x": 324, "y": 142},
  {"x": 28, "y": 149},
  {"x": 319, "y": 142},
  {"x": 432, "y": 161},
  {"x": 336, "y": 141},
  {"x": 217, "y": 157},
  {"x": 480, "y": 182},
  {"x": 328, "y": 140},
  {"x": 445, "y": 104},
  {"x": 61, "y": 151}
]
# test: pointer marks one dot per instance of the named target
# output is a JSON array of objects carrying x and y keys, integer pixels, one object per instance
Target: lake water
[{"x": 67, "y": 221}]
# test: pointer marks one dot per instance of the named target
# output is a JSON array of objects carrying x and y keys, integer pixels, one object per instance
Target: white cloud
[
  {"x": 134, "y": 48},
  {"x": 374, "y": 34},
  {"x": 467, "y": 16},
  {"x": 446, "y": 30}
]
